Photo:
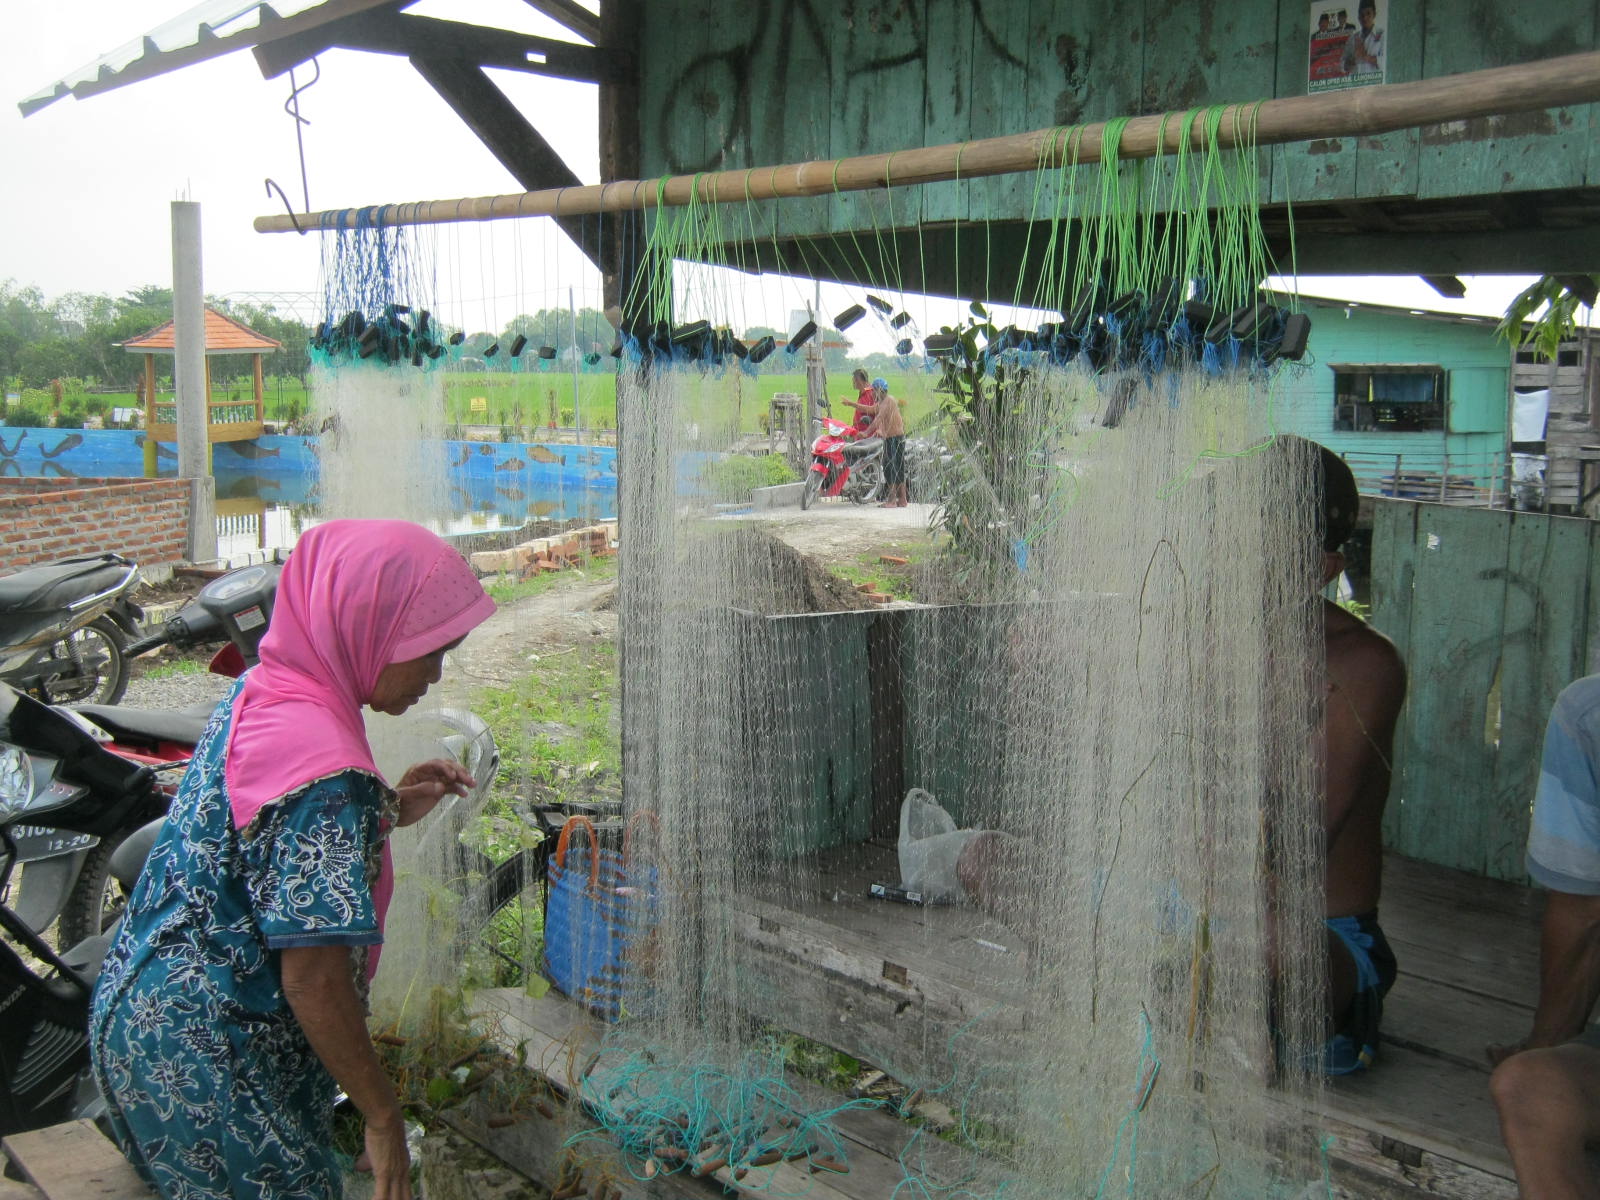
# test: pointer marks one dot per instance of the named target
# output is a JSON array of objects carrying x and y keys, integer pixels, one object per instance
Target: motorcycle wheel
[
  {"x": 99, "y": 638},
  {"x": 808, "y": 494},
  {"x": 870, "y": 484},
  {"x": 96, "y": 899}
]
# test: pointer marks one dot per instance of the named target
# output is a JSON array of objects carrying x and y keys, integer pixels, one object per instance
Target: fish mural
[
  {"x": 542, "y": 509},
  {"x": 511, "y": 493},
  {"x": 510, "y": 464},
  {"x": 71, "y": 442},
  {"x": 466, "y": 454},
  {"x": 11, "y": 450},
  {"x": 543, "y": 454},
  {"x": 253, "y": 449},
  {"x": 162, "y": 450},
  {"x": 485, "y": 449}
]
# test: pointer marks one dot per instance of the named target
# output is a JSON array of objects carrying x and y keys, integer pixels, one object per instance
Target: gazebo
[{"x": 226, "y": 420}]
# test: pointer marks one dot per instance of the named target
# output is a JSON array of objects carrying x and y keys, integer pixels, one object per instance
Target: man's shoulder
[{"x": 1356, "y": 649}]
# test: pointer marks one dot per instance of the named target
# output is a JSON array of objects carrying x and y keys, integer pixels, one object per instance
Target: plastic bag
[{"x": 930, "y": 844}]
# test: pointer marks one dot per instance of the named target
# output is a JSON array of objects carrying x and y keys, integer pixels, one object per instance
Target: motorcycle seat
[
  {"x": 150, "y": 724},
  {"x": 861, "y": 449},
  {"x": 60, "y": 584}
]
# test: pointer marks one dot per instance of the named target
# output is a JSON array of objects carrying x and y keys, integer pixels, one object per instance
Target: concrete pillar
[{"x": 189, "y": 379}]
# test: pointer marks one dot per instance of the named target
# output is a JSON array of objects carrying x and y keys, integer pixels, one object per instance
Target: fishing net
[{"x": 1095, "y": 657}]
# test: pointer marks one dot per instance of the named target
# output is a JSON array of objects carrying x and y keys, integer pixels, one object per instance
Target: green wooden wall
[
  {"x": 1478, "y": 361},
  {"x": 1493, "y": 612},
  {"x": 741, "y": 83}
]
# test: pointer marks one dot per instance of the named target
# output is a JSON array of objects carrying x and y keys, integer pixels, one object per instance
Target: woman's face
[{"x": 402, "y": 684}]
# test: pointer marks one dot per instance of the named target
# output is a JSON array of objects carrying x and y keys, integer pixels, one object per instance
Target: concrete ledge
[{"x": 779, "y": 496}]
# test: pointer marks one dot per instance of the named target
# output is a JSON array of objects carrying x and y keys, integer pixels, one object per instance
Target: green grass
[
  {"x": 559, "y": 739},
  {"x": 525, "y": 399},
  {"x": 176, "y": 668},
  {"x": 892, "y": 579}
]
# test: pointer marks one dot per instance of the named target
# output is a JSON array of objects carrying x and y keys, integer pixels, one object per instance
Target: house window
[{"x": 1389, "y": 399}]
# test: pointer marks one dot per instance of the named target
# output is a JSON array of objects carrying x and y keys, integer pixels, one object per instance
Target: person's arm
[
  {"x": 319, "y": 984},
  {"x": 1368, "y": 687},
  {"x": 1569, "y": 968}
]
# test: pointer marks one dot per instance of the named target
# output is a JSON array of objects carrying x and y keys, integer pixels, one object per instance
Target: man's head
[
  {"x": 880, "y": 386},
  {"x": 1367, "y": 13},
  {"x": 1328, "y": 484},
  {"x": 858, "y": 378},
  {"x": 1322, "y": 23},
  {"x": 1344, "y": 17}
]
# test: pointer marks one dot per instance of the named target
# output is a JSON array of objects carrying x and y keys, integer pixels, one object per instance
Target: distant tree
[{"x": 553, "y": 327}]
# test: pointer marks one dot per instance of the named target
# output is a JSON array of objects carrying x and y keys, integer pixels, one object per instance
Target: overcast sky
[{"x": 86, "y": 185}]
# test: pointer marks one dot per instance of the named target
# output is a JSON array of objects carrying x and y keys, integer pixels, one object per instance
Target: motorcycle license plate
[{"x": 40, "y": 841}]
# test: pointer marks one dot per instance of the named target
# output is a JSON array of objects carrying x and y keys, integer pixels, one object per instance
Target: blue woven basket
[{"x": 597, "y": 909}]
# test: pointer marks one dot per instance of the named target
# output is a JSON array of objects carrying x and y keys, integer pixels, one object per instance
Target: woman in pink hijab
[{"x": 234, "y": 999}]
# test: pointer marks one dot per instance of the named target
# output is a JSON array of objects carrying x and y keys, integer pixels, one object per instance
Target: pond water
[{"x": 259, "y": 513}]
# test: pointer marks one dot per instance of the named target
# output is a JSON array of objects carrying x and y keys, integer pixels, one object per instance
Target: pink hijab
[{"x": 354, "y": 597}]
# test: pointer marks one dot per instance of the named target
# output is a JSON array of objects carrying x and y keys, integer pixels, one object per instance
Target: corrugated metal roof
[{"x": 208, "y": 30}]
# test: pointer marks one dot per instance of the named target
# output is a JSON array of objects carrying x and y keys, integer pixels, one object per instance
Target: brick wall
[{"x": 146, "y": 520}]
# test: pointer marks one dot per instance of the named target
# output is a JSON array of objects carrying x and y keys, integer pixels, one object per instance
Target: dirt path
[{"x": 506, "y": 646}]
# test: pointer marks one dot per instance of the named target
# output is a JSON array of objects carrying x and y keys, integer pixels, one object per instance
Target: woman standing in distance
[{"x": 234, "y": 997}]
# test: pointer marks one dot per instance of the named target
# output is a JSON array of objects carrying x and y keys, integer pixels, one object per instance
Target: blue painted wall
[
  {"x": 1477, "y": 361},
  {"x": 71, "y": 452}
]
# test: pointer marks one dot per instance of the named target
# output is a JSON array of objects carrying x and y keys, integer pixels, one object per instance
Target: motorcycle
[
  {"x": 64, "y": 628},
  {"x": 56, "y": 775},
  {"x": 843, "y": 464}
]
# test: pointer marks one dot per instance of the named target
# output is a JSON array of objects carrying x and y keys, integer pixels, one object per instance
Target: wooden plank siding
[
  {"x": 1492, "y": 612},
  {"x": 746, "y": 83},
  {"x": 1473, "y": 445}
]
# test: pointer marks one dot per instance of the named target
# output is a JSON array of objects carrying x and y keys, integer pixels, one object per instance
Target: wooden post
[
  {"x": 1358, "y": 112},
  {"x": 261, "y": 412},
  {"x": 152, "y": 456}
]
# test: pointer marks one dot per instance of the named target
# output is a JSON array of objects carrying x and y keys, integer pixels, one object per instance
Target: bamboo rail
[{"x": 1358, "y": 112}]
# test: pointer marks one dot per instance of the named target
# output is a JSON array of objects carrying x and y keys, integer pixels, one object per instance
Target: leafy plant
[
  {"x": 994, "y": 491},
  {"x": 1559, "y": 296},
  {"x": 733, "y": 478}
]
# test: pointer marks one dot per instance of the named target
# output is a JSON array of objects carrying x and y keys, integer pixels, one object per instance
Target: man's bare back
[{"x": 1366, "y": 685}]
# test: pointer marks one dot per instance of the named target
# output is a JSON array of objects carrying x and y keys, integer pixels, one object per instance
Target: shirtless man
[{"x": 1365, "y": 685}]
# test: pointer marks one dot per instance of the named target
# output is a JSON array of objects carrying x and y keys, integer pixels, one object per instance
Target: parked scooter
[
  {"x": 63, "y": 628},
  {"x": 55, "y": 775},
  {"x": 64, "y": 877},
  {"x": 843, "y": 464}
]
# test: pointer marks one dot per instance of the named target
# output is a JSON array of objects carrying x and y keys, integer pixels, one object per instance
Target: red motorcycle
[{"x": 843, "y": 463}]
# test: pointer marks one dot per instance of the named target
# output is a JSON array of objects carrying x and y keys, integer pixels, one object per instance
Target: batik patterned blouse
[{"x": 213, "y": 1089}]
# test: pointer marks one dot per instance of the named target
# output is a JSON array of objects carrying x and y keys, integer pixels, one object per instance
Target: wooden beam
[
  {"x": 571, "y": 15},
  {"x": 1508, "y": 252},
  {"x": 501, "y": 127},
  {"x": 390, "y": 32},
  {"x": 1573, "y": 79},
  {"x": 623, "y": 249}
]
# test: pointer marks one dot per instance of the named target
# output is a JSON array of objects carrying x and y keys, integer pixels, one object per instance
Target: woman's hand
[
  {"x": 427, "y": 783},
  {"x": 390, "y": 1160}
]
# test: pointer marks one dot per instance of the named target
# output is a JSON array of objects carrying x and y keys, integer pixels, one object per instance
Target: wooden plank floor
[{"x": 889, "y": 983}]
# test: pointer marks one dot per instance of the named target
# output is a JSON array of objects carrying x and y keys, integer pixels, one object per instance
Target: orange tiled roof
[{"x": 224, "y": 335}]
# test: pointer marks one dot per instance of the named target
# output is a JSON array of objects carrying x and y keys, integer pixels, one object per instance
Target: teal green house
[{"x": 1417, "y": 402}]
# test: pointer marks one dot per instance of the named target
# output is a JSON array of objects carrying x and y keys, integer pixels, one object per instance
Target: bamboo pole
[{"x": 1357, "y": 112}]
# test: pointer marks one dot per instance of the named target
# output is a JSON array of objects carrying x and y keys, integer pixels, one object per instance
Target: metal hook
[
  {"x": 291, "y": 105},
  {"x": 293, "y": 220}
]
